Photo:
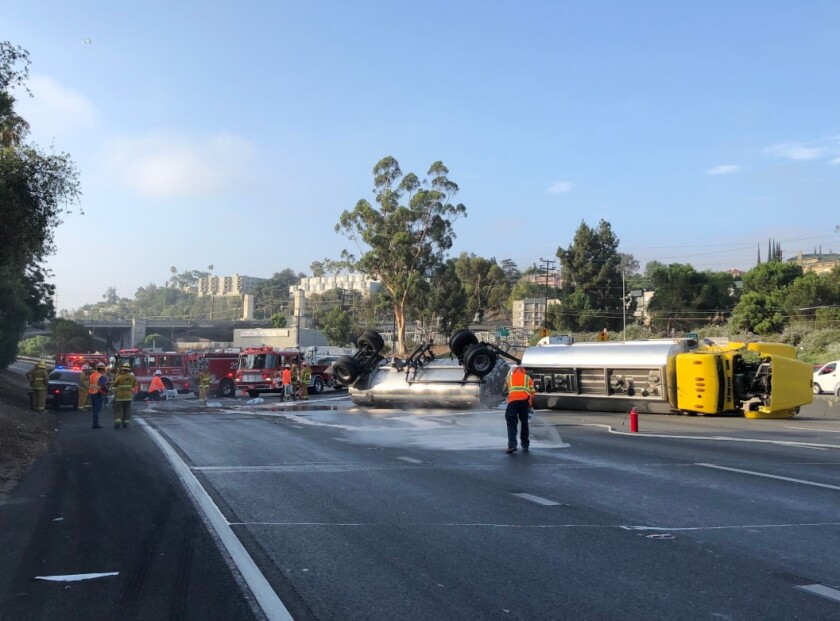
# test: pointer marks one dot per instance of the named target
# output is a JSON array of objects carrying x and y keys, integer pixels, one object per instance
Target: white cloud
[
  {"x": 836, "y": 160},
  {"x": 559, "y": 187},
  {"x": 53, "y": 109},
  {"x": 178, "y": 167},
  {"x": 726, "y": 169},
  {"x": 807, "y": 151}
]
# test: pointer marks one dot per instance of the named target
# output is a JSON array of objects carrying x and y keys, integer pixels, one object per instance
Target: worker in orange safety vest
[
  {"x": 520, "y": 389},
  {"x": 97, "y": 392}
]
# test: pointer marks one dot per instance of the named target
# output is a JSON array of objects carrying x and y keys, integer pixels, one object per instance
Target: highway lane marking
[
  {"x": 821, "y": 590},
  {"x": 613, "y": 430},
  {"x": 769, "y": 476},
  {"x": 811, "y": 429},
  {"x": 411, "y": 460},
  {"x": 729, "y": 526},
  {"x": 538, "y": 499},
  {"x": 268, "y": 600},
  {"x": 77, "y": 577}
]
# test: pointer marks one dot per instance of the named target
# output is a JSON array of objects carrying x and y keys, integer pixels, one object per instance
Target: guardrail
[{"x": 33, "y": 360}]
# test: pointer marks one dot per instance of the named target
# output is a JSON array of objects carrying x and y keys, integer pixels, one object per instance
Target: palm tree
[{"x": 13, "y": 128}]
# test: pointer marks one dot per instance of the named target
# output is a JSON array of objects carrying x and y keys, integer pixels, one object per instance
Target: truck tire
[
  {"x": 817, "y": 389},
  {"x": 479, "y": 360},
  {"x": 372, "y": 340},
  {"x": 347, "y": 370},
  {"x": 253, "y": 394},
  {"x": 226, "y": 389},
  {"x": 317, "y": 384},
  {"x": 462, "y": 339}
]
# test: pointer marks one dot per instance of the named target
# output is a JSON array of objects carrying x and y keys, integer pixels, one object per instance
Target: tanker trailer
[
  {"x": 476, "y": 379},
  {"x": 758, "y": 380}
]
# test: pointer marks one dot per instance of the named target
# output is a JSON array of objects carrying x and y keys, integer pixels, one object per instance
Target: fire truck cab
[
  {"x": 221, "y": 365},
  {"x": 260, "y": 370},
  {"x": 146, "y": 360}
]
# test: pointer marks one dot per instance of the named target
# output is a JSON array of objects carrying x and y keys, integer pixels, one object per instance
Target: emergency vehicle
[
  {"x": 76, "y": 361},
  {"x": 260, "y": 370},
  {"x": 146, "y": 360},
  {"x": 222, "y": 368}
]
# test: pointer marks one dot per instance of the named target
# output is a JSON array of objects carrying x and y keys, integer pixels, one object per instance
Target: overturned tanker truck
[
  {"x": 757, "y": 380},
  {"x": 476, "y": 379}
]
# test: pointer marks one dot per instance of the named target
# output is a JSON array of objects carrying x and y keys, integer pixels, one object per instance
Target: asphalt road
[{"x": 348, "y": 514}]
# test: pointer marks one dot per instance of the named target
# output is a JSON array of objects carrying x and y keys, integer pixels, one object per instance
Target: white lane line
[
  {"x": 770, "y": 476},
  {"x": 613, "y": 430},
  {"x": 77, "y": 577},
  {"x": 541, "y": 526},
  {"x": 538, "y": 499},
  {"x": 813, "y": 429},
  {"x": 411, "y": 460},
  {"x": 821, "y": 590},
  {"x": 271, "y": 605},
  {"x": 730, "y": 526}
]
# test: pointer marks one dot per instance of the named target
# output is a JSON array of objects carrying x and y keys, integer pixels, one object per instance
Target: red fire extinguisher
[{"x": 634, "y": 420}]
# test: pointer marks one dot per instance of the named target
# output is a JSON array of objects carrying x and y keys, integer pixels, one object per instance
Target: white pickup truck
[{"x": 826, "y": 379}]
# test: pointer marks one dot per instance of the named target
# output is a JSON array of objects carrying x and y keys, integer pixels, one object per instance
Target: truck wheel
[
  {"x": 226, "y": 388},
  {"x": 317, "y": 384},
  {"x": 347, "y": 370},
  {"x": 372, "y": 340},
  {"x": 462, "y": 339},
  {"x": 479, "y": 360},
  {"x": 837, "y": 391},
  {"x": 253, "y": 394},
  {"x": 817, "y": 389}
]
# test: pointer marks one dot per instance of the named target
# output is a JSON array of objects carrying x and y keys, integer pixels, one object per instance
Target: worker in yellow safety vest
[
  {"x": 97, "y": 393},
  {"x": 203, "y": 385},
  {"x": 84, "y": 386},
  {"x": 124, "y": 384},
  {"x": 38, "y": 378},
  {"x": 520, "y": 389},
  {"x": 305, "y": 378}
]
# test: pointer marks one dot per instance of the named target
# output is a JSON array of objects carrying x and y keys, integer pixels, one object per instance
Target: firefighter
[
  {"x": 203, "y": 385},
  {"x": 305, "y": 378},
  {"x": 97, "y": 392},
  {"x": 124, "y": 384},
  {"x": 603, "y": 336},
  {"x": 38, "y": 379},
  {"x": 157, "y": 390},
  {"x": 520, "y": 389},
  {"x": 287, "y": 384},
  {"x": 295, "y": 380},
  {"x": 84, "y": 386}
]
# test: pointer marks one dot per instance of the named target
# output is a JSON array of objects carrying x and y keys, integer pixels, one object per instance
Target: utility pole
[{"x": 547, "y": 268}]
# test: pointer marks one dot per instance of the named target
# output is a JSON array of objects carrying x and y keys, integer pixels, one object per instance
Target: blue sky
[{"x": 235, "y": 134}]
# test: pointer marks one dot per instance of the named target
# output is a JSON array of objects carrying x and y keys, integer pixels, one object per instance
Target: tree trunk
[{"x": 399, "y": 317}]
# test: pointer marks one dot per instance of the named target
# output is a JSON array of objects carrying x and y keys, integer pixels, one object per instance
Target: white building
[
  {"x": 350, "y": 282},
  {"x": 227, "y": 285},
  {"x": 529, "y": 313}
]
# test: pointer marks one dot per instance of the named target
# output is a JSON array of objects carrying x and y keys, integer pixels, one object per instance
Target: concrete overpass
[{"x": 121, "y": 333}]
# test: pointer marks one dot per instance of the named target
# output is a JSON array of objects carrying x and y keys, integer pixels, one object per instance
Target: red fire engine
[
  {"x": 77, "y": 361},
  {"x": 145, "y": 361},
  {"x": 222, "y": 368},
  {"x": 260, "y": 370}
]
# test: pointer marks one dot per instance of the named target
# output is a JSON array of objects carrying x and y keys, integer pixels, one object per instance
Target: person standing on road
[
  {"x": 97, "y": 393},
  {"x": 203, "y": 385},
  {"x": 157, "y": 390},
  {"x": 84, "y": 386},
  {"x": 38, "y": 379},
  {"x": 288, "y": 388},
  {"x": 305, "y": 378},
  {"x": 520, "y": 389},
  {"x": 124, "y": 384}
]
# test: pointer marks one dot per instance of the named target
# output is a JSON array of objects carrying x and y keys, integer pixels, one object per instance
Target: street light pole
[{"x": 623, "y": 308}]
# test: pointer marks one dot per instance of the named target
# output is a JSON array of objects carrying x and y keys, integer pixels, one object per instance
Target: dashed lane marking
[
  {"x": 822, "y": 591},
  {"x": 538, "y": 499},
  {"x": 770, "y": 476},
  {"x": 411, "y": 460}
]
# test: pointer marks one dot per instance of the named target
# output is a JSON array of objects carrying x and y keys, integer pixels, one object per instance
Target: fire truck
[
  {"x": 76, "y": 361},
  {"x": 222, "y": 368},
  {"x": 145, "y": 361},
  {"x": 260, "y": 370}
]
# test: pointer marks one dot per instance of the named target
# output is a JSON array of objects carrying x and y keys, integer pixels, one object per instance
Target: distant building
[
  {"x": 227, "y": 285},
  {"x": 817, "y": 262},
  {"x": 351, "y": 282},
  {"x": 529, "y": 313},
  {"x": 554, "y": 279},
  {"x": 735, "y": 273}
]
